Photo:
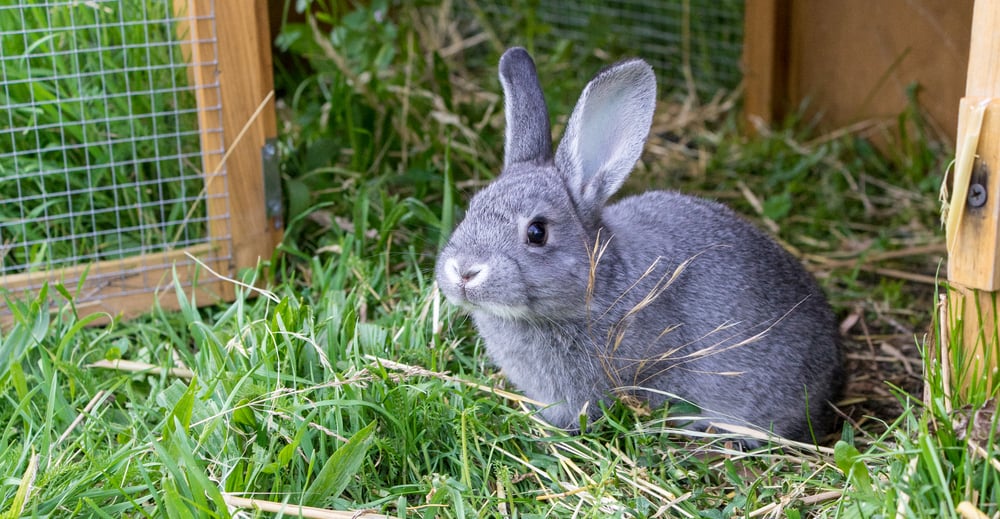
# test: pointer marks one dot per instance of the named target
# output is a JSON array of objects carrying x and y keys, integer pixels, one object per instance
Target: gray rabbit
[{"x": 657, "y": 297}]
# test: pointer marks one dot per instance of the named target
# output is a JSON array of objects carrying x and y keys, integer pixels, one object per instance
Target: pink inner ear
[
  {"x": 608, "y": 128},
  {"x": 605, "y": 128}
]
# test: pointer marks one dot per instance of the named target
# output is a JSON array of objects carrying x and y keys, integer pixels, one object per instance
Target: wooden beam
[
  {"x": 126, "y": 287},
  {"x": 200, "y": 42},
  {"x": 246, "y": 79},
  {"x": 973, "y": 231},
  {"x": 230, "y": 56},
  {"x": 983, "y": 79}
]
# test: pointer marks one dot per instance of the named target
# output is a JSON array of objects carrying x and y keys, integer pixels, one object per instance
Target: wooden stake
[
  {"x": 246, "y": 80},
  {"x": 974, "y": 222},
  {"x": 765, "y": 60},
  {"x": 230, "y": 53}
]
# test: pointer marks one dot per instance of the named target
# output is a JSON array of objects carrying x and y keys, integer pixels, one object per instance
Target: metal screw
[{"x": 977, "y": 195}]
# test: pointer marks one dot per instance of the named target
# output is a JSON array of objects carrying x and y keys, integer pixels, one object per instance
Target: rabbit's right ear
[
  {"x": 528, "y": 137},
  {"x": 606, "y": 132}
]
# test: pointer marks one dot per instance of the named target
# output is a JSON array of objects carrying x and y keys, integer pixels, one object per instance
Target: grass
[{"x": 347, "y": 384}]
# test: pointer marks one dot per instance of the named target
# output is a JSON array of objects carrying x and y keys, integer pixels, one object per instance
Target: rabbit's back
[
  {"x": 729, "y": 260},
  {"x": 741, "y": 329}
]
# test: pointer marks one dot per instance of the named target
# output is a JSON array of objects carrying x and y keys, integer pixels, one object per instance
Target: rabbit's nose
[
  {"x": 474, "y": 275},
  {"x": 466, "y": 275}
]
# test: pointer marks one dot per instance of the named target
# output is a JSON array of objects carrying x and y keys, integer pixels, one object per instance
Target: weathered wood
[
  {"x": 974, "y": 236},
  {"x": 851, "y": 62},
  {"x": 971, "y": 327},
  {"x": 983, "y": 78},
  {"x": 246, "y": 80},
  {"x": 974, "y": 230},
  {"x": 201, "y": 43}
]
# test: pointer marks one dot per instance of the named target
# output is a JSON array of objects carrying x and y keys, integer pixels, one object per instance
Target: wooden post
[
  {"x": 246, "y": 79},
  {"x": 198, "y": 43},
  {"x": 230, "y": 52},
  {"x": 765, "y": 60},
  {"x": 973, "y": 230}
]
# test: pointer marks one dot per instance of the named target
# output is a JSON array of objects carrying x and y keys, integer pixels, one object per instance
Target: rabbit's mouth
[
  {"x": 513, "y": 313},
  {"x": 491, "y": 309}
]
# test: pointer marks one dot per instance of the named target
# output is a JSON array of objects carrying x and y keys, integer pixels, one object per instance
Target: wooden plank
[
  {"x": 230, "y": 51},
  {"x": 983, "y": 78},
  {"x": 200, "y": 39},
  {"x": 245, "y": 75},
  {"x": 765, "y": 60},
  {"x": 126, "y": 287},
  {"x": 972, "y": 319},
  {"x": 973, "y": 248},
  {"x": 973, "y": 255},
  {"x": 853, "y": 62}
]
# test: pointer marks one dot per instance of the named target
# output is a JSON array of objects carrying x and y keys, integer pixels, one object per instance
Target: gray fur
[
  {"x": 528, "y": 136},
  {"x": 686, "y": 299}
]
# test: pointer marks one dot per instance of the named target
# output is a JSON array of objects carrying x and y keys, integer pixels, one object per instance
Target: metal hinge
[{"x": 271, "y": 164}]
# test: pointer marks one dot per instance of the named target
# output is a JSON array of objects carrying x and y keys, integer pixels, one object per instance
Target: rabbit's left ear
[
  {"x": 528, "y": 137},
  {"x": 607, "y": 131}
]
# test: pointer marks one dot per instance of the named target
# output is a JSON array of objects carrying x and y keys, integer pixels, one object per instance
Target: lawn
[{"x": 346, "y": 383}]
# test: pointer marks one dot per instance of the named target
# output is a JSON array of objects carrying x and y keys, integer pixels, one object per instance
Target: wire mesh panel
[
  {"x": 103, "y": 145},
  {"x": 694, "y": 45}
]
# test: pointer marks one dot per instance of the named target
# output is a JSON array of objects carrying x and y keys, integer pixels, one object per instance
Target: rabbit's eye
[{"x": 536, "y": 233}]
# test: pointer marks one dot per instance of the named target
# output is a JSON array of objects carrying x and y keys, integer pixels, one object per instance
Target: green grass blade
[
  {"x": 21, "y": 496},
  {"x": 337, "y": 472}
]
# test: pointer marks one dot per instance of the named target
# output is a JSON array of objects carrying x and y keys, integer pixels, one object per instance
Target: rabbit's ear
[
  {"x": 528, "y": 136},
  {"x": 606, "y": 132}
]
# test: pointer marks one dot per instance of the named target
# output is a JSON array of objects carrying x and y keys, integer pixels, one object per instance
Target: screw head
[{"x": 977, "y": 195}]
